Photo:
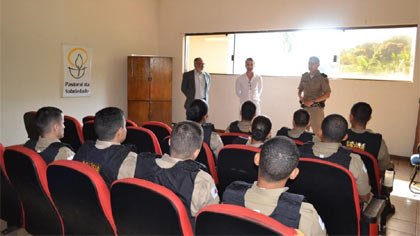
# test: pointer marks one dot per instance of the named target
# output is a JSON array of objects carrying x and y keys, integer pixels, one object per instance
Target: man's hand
[{"x": 308, "y": 103}]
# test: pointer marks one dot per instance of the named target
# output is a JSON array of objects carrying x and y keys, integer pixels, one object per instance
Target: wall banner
[{"x": 77, "y": 70}]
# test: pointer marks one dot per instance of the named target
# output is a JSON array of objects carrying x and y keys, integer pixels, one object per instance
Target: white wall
[
  {"x": 32, "y": 69},
  {"x": 395, "y": 104}
]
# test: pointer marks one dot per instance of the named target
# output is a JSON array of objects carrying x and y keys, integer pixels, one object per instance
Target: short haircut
[
  {"x": 334, "y": 128},
  {"x": 301, "y": 118},
  {"x": 361, "y": 112},
  {"x": 197, "y": 110},
  {"x": 261, "y": 127},
  {"x": 186, "y": 138},
  {"x": 314, "y": 59},
  {"x": 46, "y": 117},
  {"x": 107, "y": 122},
  {"x": 248, "y": 110},
  {"x": 196, "y": 59},
  {"x": 249, "y": 59},
  {"x": 279, "y": 156}
]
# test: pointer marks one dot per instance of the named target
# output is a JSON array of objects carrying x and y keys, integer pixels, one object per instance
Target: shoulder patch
[
  {"x": 321, "y": 223},
  {"x": 214, "y": 192}
]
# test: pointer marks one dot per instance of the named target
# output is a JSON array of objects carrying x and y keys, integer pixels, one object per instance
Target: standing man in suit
[{"x": 196, "y": 83}]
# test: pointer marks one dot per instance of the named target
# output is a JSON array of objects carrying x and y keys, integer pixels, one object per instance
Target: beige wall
[
  {"x": 1, "y": 80},
  {"x": 32, "y": 69},
  {"x": 395, "y": 104}
]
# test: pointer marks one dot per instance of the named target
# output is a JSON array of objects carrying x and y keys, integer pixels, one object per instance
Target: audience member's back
[
  {"x": 260, "y": 131},
  {"x": 301, "y": 120},
  {"x": 111, "y": 159},
  {"x": 248, "y": 110},
  {"x": 179, "y": 172},
  {"x": 50, "y": 125},
  {"x": 277, "y": 163}
]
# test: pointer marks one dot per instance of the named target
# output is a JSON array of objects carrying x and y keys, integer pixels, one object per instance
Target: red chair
[
  {"x": 29, "y": 118},
  {"x": 298, "y": 142},
  {"x": 236, "y": 162},
  {"x": 11, "y": 209},
  {"x": 143, "y": 139},
  {"x": 130, "y": 123},
  {"x": 73, "y": 133},
  {"x": 206, "y": 158},
  {"x": 160, "y": 129},
  {"x": 87, "y": 118},
  {"x": 81, "y": 197},
  {"x": 372, "y": 167},
  {"x": 141, "y": 207},
  {"x": 89, "y": 131},
  {"x": 332, "y": 190},
  {"x": 226, "y": 219},
  {"x": 27, "y": 173},
  {"x": 234, "y": 138}
]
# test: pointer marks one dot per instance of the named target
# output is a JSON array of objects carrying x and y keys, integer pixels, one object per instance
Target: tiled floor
[{"x": 405, "y": 221}]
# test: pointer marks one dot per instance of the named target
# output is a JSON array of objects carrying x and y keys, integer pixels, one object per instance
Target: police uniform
[
  {"x": 292, "y": 211},
  {"x": 296, "y": 134},
  {"x": 112, "y": 160},
  {"x": 195, "y": 187},
  {"x": 240, "y": 126},
  {"x": 354, "y": 164},
  {"x": 371, "y": 142},
  {"x": 249, "y": 143},
  {"x": 212, "y": 138},
  {"x": 313, "y": 88},
  {"x": 50, "y": 149}
]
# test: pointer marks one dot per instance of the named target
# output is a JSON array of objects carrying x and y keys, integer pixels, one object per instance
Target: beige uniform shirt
[
  {"x": 384, "y": 159},
  {"x": 64, "y": 153},
  {"x": 265, "y": 201},
  {"x": 243, "y": 125},
  {"x": 313, "y": 87},
  {"x": 357, "y": 168},
  {"x": 258, "y": 145},
  {"x": 296, "y": 133},
  {"x": 215, "y": 143},
  {"x": 128, "y": 167},
  {"x": 205, "y": 191}
]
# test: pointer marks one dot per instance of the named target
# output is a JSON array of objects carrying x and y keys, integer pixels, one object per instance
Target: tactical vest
[
  {"x": 49, "y": 153},
  {"x": 304, "y": 137},
  {"x": 341, "y": 157},
  {"x": 208, "y": 128},
  {"x": 370, "y": 142},
  {"x": 286, "y": 212},
  {"x": 106, "y": 161},
  {"x": 179, "y": 179},
  {"x": 234, "y": 128}
]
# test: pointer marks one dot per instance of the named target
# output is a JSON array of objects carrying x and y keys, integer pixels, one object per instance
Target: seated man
[
  {"x": 365, "y": 139},
  {"x": 277, "y": 162},
  {"x": 111, "y": 159},
  {"x": 244, "y": 125},
  {"x": 301, "y": 119},
  {"x": 180, "y": 172},
  {"x": 50, "y": 125},
  {"x": 198, "y": 112},
  {"x": 260, "y": 131},
  {"x": 329, "y": 148}
]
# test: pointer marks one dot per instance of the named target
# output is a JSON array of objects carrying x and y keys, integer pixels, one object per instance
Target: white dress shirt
[
  {"x": 200, "y": 85},
  {"x": 247, "y": 89}
]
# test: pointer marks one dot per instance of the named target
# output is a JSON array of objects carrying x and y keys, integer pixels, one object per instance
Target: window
[{"x": 366, "y": 53}]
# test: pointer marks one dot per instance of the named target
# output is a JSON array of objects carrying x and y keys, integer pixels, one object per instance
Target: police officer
[
  {"x": 334, "y": 129},
  {"x": 277, "y": 162},
  {"x": 180, "y": 172},
  {"x": 50, "y": 124},
  {"x": 300, "y": 125},
  {"x": 111, "y": 159},
  {"x": 313, "y": 90}
]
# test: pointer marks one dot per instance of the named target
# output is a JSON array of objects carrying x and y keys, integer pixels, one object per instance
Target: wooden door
[
  {"x": 138, "y": 78},
  {"x": 138, "y": 111},
  {"x": 161, "y": 77},
  {"x": 161, "y": 111}
]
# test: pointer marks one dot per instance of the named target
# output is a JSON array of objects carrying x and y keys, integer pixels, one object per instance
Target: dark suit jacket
[{"x": 188, "y": 87}]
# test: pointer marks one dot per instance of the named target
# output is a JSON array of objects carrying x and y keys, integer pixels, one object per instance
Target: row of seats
[{"x": 68, "y": 197}]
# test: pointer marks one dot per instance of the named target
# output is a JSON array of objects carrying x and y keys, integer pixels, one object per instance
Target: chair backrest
[
  {"x": 29, "y": 118},
  {"x": 332, "y": 190},
  {"x": 226, "y": 219},
  {"x": 298, "y": 142},
  {"x": 27, "y": 173},
  {"x": 89, "y": 131},
  {"x": 206, "y": 158},
  {"x": 81, "y": 197},
  {"x": 232, "y": 138},
  {"x": 236, "y": 162},
  {"x": 164, "y": 145},
  {"x": 87, "y": 118},
  {"x": 141, "y": 207},
  {"x": 73, "y": 133},
  {"x": 130, "y": 123},
  {"x": 371, "y": 164},
  {"x": 160, "y": 129},
  {"x": 10, "y": 209},
  {"x": 143, "y": 139}
]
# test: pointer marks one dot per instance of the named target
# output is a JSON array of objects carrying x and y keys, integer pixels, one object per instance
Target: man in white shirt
[
  {"x": 249, "y": 86},
  {"x": 196, "y": 83}
]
